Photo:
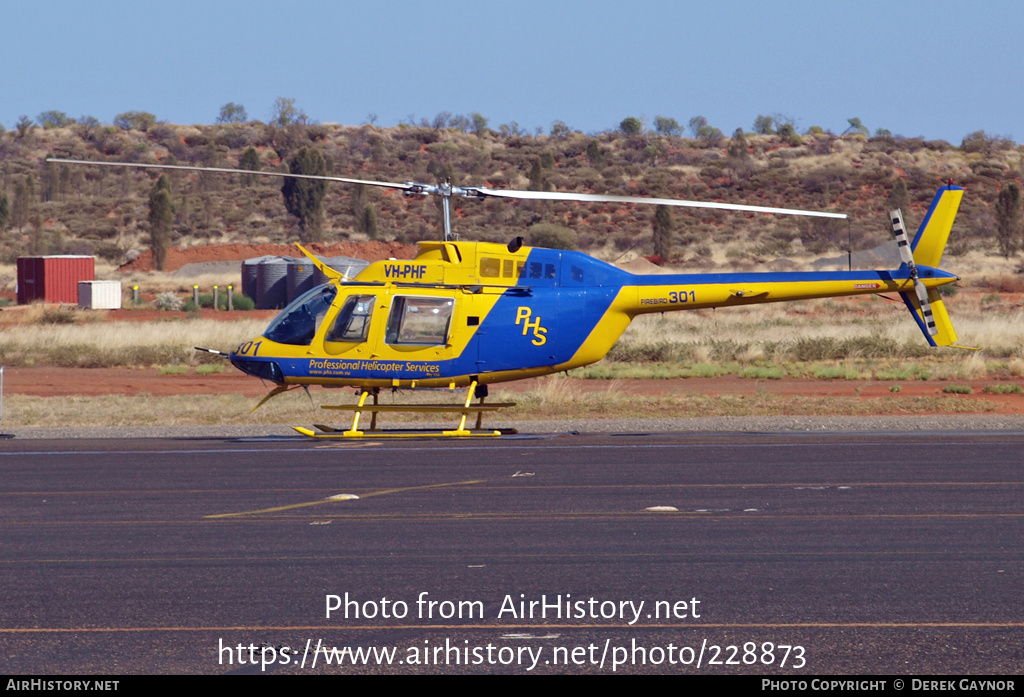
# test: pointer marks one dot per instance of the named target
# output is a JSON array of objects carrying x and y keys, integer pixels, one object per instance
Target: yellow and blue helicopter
[{"x": 471, "y": 314}]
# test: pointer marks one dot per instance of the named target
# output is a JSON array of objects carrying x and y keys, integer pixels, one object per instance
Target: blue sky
[{"x": 938, "y": 69}]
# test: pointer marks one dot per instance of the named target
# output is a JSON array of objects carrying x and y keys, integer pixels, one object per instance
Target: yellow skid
[
  {"x": 423, "y": 408},
  {"x": 460, "y": 431},
  {"x": 399, "y": 434}
]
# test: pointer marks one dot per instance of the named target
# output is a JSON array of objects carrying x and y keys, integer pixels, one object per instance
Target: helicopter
[{"x": 468, "y": 315}]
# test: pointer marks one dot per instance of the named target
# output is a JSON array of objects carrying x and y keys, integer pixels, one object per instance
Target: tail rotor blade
[
  {"x": 900, "y": 233},
  {"x": 926, "y": 307}
]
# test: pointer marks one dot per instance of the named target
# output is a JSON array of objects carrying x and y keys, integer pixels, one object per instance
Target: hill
[{"x": 69, "y": 209}]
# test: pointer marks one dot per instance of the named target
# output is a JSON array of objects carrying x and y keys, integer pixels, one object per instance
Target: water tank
[
  {"x": 272, "y": 283},
  {"x": 302, "y": 276},
  {"x": 249, "y": 267}
]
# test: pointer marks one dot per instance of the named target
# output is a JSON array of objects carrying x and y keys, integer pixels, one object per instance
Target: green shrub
[
  {"x": 1003, "y": 389},
  {"x": 58, "y": 316},
  {"x": 958, "y": 389},
  {"x": 243, "y": 302},
  {"x": 762, "y": 373},
  {"x": 206, "y": 300},
  {"x": 552, "y": 236}
]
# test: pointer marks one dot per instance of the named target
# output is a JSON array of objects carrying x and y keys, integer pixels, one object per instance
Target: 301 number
[{"x": 681, "y": 296}]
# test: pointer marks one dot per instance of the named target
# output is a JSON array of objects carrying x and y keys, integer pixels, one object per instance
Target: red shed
[{"x": 53, "y": 279}]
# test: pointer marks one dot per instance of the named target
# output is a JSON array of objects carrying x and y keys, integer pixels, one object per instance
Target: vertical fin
[
  {"x": 930, "y": 242},
  {"x": 942, "y": 333}
]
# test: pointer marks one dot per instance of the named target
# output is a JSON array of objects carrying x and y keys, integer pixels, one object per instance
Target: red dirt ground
[{"x": 55, "y": 382}]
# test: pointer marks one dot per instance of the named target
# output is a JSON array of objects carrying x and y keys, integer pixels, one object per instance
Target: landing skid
[{"x": 460, "y": 431}]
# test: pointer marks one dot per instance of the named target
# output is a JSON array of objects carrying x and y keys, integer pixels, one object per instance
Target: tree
[
  {"x": 666, "y": 126},
  {"x": 370, "y": 221},
  {"x": 161, "y": 220},
  {"x": 24, "y": 201},
  {"x": 1008, "y": 219},
  {"x": 536, "y": 176},
  {"x": 764, "y": 125},
  {"x": 898, "y": 197},
  {"x": 23, "y": 126},
  {"x": 630, "y": 125},
  {"x": 738, "y": 145},
  {"x": 707, "y": 135},
  {"x": 552, "y": 236},
  {"x": 5, "y": 211},
  {"x": 985, "y": 143},
  {"x": 251, "y": 162},
  {"x": 135, "y": 120},
  {"x": 54, "y": 119},
  {"x": 662, "y": 231},
  {"x": 53, "y": 184},
  {"x": 560, "y": 130},
  {"x": 856, "y": 127},
  {"x": 594, "y": 153},
  {"x": 286, "y": 113},
  {"x": 479, "y": 124},
  {"x": 232, "y": 113},
  {"x": 304, "y": 198}
]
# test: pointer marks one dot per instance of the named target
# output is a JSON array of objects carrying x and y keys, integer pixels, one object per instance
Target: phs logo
[{"x": 523, "y": 315}]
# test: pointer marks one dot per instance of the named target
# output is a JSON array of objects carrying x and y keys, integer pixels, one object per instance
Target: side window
[
  {"x": 490, "y": 267},
  {"x": 353, "y": 320},
  {"x": 419, "y": 321}
]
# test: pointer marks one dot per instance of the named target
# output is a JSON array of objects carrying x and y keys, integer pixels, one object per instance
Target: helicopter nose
[{"x": 246, "y": 358}]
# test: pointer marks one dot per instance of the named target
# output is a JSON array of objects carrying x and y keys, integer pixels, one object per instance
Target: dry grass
[
  {"x": 554, "y": 401},
  {"x": 836, "y": 329},
  {"x": 144, "y": 410},
  {"x": 110, "y": 344}
]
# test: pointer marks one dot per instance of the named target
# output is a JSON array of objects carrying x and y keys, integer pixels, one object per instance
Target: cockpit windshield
[{"x": 297, "y": 323}]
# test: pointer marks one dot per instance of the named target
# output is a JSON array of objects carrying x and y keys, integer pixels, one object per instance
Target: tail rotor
[{"x": 907, "y": 256}]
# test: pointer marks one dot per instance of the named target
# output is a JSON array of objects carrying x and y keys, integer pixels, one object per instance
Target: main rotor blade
[
  {"x": 413, "y": 188},
  {"x": 601, "y": 198},
  {"x": 408, "y": 186}
]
